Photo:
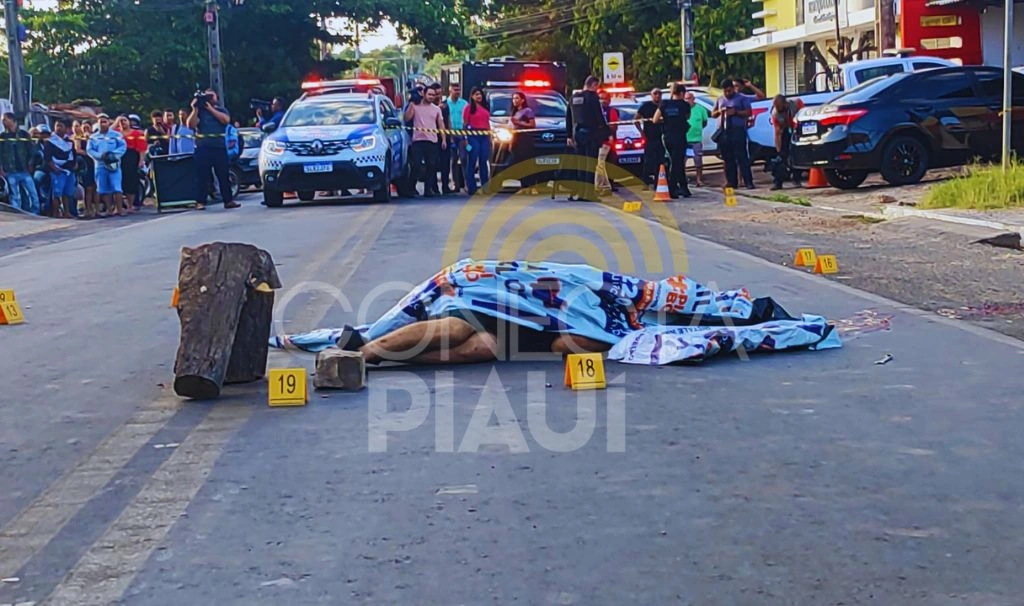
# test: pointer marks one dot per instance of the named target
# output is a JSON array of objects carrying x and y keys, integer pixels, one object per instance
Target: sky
[{"x": 386, "y": 36}]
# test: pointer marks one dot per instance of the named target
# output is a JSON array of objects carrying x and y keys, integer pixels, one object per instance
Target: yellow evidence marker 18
[
  {"x": 826, "y": 265},
  {"x": 584, "y": 371},
  {"x": 10, "y": 313},
  {"x": 287, "y": 387},
  {"x": 805, "y": 257}
]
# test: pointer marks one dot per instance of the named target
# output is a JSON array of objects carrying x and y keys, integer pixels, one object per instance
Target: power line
[{"x": 570, "y": 21}]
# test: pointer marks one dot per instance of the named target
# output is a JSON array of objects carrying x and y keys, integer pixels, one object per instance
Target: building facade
[{"x": 800, "y": 37}]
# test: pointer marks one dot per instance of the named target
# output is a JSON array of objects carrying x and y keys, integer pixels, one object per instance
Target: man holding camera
[{"x": 209, "y": 119}]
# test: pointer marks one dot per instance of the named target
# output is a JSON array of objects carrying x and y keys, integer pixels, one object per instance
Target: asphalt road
[{"x": 800, "y": 478}]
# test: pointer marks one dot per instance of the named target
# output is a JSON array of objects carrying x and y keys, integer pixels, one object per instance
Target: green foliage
[
  {"x": 980, "y": 188},
  {"x": 647, "y": 31},
  {"x": 152, "y": 54}
]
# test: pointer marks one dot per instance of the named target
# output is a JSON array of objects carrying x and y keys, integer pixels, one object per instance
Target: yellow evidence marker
[
  {"x": 10, "y": 313},
  {"x": 584, "y": 371},
  {"x": 730, "y": 196},
  {"x": 287, "y": 387},
  {"x": 826, "y": 265},
  {"x": 805, "y": 257},
  {"x": 174, "y": 297},
  {"x": 631, "y": 207}
]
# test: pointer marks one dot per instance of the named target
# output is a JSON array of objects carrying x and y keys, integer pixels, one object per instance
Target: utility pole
[
  {"x": 16, "y": 62},
  {"x": 213, "y": 35},
  {"x": 686, "y": 40},
  {"x": 885, "y": 17},
  {"x": 1007, "y": 81}
]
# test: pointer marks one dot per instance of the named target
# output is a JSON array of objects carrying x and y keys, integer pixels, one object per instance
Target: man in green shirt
[{"x": 695, "y": 136}]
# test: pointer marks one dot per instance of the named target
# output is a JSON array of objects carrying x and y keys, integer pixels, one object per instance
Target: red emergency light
[
  {"x": 637, "y": 144},
  {"x": 536, "y": 83}
]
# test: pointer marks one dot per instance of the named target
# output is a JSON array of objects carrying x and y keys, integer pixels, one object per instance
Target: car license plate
[
  {"x": 547, "y": 161},
  {"x": 630, "y": 160},
  {"x": 809, "y": 128},
  {"x": 318, "y": 168}
]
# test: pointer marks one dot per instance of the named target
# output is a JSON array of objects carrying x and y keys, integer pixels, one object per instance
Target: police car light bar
[
  {"x": 620, "y": 89},
  {"x": 313, "y": 84},
  {"x": 537, "y": 83}
]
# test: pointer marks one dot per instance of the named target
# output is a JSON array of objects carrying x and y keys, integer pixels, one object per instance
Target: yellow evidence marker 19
[
  {"x": 584, "y": 371},
  {"x": 826, "y": 265},
  {"x": 805, "y": 257},
  {"x": 10, "y": 313},
  {"x": 287, "y": 387}
]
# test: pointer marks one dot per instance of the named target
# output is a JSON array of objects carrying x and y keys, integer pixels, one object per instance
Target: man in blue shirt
[
  {"x": 210, "y": 120},
  {"x": 276, "y": 113},
  {"x": 106, "y": 147},
  {"x": 456, "y": 105},
  {"x": 732, "y": 110}
]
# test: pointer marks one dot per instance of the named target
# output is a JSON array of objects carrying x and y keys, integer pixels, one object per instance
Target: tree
[{"x": 152, "y": 54}]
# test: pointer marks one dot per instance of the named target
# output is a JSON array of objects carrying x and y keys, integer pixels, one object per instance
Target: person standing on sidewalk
[
  {"x": 587, "y": 129},
  {"x": 427, "y": 140},
  {"x": 674, "y": 114},
  {"x": 654, "y": 152},
  {"x": 106, "y": 148},
  {"x": 16, "y": 150},
  {"x": 59, "y": 153},
  {"x": 695, "y": 136},
  {"x": 783, "y": 119},
  {"x": 457, "y": 143},
  {"x": 732, "y": 110},
  {"x": 444, "y": 159},
  {"x": 209, "y": 120},
  {"x": 477, "y": 117}
]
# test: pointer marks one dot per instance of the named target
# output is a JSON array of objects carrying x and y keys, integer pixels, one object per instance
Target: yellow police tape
[{"x": 442, "y": 131}]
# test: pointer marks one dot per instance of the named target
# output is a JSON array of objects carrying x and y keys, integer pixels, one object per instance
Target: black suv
[{"x": 904, "y": 124}]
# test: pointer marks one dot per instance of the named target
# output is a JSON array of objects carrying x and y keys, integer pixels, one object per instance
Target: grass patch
[
  {"x": 787, "y": 199},
  {"x": 980, "y": 188}
]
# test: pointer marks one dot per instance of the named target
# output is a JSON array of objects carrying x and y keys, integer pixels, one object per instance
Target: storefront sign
[
  {"x": 820, "y": 15},
  {"x": 951, "y": 32},
  {"x": 940, "y": 21}
]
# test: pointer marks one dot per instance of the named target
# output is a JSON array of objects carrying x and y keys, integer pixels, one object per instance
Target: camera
[
  {"x": 260, "y": 104},
  {"x": 415, "y": 95},
  {"x": 202, "y": 98}
]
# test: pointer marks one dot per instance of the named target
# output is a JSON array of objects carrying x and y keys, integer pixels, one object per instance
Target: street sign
[{"x": 614, "y": 68}]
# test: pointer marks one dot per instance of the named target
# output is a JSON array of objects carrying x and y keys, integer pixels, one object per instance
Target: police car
[{"x": 330, "y": 140}]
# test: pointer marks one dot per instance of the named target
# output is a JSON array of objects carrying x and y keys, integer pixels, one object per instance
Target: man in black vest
[
  {"x": 674, "y": 116},
  {"x": 587, "y": 129}
]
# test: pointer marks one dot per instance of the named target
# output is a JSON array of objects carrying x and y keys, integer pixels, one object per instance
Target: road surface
[{"x": 799, "y": 478}]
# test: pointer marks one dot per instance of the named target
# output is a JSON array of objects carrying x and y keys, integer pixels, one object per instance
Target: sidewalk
[
  {"x": 878, "y": 199},
  {"x": 16, "y": 225}
]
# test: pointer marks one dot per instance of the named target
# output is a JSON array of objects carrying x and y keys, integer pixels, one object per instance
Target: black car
[
  {"x": 246, "y": 169},
  {"x": 904, "y": 124}
]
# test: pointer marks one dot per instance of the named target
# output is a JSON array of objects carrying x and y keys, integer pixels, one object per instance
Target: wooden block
[{"x": 340, "y": 369}]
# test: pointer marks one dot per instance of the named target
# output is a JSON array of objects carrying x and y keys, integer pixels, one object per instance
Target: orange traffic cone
[
  {"x": 662, "y": 194},
  {"x": 816, "y": 180}
]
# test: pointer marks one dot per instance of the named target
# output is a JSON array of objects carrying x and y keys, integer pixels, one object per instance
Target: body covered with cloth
[{"x": 639, "y": 321}]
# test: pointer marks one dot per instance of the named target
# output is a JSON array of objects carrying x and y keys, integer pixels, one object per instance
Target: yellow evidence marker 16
[
  {"x": 287, "y": 387},
  {"x": 584, "y": 371},
  {"x": 826, "y": 265}
]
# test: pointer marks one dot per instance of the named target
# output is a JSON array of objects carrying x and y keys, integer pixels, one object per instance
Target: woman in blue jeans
[{"x": 477, "y": 117}]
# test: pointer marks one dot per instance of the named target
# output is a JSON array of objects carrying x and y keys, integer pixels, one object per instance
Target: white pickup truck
[{"x": 761, "y": 131}]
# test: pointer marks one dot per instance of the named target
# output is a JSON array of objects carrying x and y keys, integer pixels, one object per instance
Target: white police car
[{"x": 330, "y": 140}]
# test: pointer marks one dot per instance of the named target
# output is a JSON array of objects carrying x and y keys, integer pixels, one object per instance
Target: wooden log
[
  {"x": 225, "y": 310},
  {"x": 340, "y": 369}
]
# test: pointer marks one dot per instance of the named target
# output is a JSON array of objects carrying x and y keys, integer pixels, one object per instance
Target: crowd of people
[{"x": 95, "y": 168}]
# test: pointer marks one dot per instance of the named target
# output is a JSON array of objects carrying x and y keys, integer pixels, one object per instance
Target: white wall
[{"x": 992, "y": 36}]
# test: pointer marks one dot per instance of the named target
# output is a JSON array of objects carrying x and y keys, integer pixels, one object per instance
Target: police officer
[
  {"x": 674, "y": 116},
  {"x": 654, "y": 152},
  {"x": 587, "y": 128}
]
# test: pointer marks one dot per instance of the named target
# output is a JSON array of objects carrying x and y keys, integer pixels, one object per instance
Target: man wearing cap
[{"x": 107, "y": 147}]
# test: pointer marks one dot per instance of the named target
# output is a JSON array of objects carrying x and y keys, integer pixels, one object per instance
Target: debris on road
[
  {"x": 10, "y": 580},
  {"x": 168, "y": 445},
  {"x": 282, "y": 582},
  {"x": 340, "y": 369},
  {"x": 1007, "y": 240},
  {"x": 885, "y": 359},
  {"x": 459, "y": 489}
]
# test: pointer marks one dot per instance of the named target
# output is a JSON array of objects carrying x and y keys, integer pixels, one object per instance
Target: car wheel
[
  {"x": 306, "y": 195},
  {"x": 384, "y": 193},
  {"x": 273, "y": 199},
  {"x": 845, "y": 179},
  {"x": 904, "y": 161}
]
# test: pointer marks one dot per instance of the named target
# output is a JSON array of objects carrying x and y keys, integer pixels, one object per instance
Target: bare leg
[
  {"x": 567, "y": 343},
  {"x": 416, "y": 339},
  {"x": 479, "y": 347}
]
